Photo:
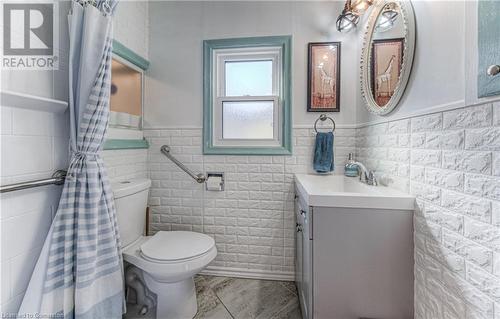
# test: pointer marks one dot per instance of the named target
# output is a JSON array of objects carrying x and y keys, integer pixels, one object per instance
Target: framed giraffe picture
[
  {"x": 323, "y": 80},
  {"x": 386, "y": 62}
]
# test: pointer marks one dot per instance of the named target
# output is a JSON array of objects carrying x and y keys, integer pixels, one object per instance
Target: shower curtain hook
[{"x": 106, "y": 8}]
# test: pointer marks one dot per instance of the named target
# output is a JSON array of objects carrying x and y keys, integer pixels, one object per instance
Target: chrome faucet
[{"x": 366, "y": 176}]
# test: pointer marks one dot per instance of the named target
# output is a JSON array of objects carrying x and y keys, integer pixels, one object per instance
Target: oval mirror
[{"x": 387, "y": 55}]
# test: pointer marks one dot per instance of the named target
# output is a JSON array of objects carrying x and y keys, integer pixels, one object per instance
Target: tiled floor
[
  {"x": 236, "y": 298},
  {"x": 223, "y": 297}
]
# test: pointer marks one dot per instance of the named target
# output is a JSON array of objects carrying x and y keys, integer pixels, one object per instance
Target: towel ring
[{"x": 323, "y": 118}]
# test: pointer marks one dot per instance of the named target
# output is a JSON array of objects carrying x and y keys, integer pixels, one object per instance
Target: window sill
[{"x": 278, "y": 151}]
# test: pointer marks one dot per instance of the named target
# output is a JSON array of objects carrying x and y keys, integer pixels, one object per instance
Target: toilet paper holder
[{"x": 216, "y": 175}]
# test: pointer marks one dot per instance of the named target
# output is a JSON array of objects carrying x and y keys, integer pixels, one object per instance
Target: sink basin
[{"x": 349, "y": 192}]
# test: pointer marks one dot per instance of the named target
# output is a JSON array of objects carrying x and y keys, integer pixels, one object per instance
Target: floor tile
[
  {"x": 290, "y": 285},
  {"x": 248, "y": 298},
  {"x": 290, "y": 311},
  {"x": 209, "y": 305},
  {"x": 237, "y": 298}
]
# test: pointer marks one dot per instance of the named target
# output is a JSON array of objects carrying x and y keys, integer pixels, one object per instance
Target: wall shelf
[
  {"x": 129, "y": 55},
  {"x": 123, "y": 144},
  {"x": 32, "y": 102}
]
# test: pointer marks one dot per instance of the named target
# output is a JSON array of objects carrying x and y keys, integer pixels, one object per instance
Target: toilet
[{"x": 168, "y": 260}]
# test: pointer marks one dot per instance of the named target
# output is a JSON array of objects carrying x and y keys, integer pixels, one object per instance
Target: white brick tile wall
[
  {"x": 496, "y": 113},
  {"x": 473, "y": 162},
  {"x": 454, "y": 169},
  {"x": 429, "y": 158},
  {"x": 496, "y": 213},
  {"x": 474, "y": 116},
  {"x": 444, "y": 178},
  {"x": 496, "y": 163},
  {"x": 483, "y": 139},
  {"x": 427, "y": 123},
  {"x": 477, "y": 208},
  {"x": 252, "y": 221},
  {"x": 417, "y": 140},
  {"x": 483, "y": 186},
  {"x": 124, "y": 164},
  {"x": 496, "y": 263}
]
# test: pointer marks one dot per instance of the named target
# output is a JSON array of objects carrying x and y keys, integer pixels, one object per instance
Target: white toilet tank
[{"x": 131, "y": 198}]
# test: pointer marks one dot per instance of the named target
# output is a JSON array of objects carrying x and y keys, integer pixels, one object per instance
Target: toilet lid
[{"x": 176, "y": 245}]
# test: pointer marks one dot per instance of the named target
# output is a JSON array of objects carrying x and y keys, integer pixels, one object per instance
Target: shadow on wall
[{"x": 440, "y": 289}]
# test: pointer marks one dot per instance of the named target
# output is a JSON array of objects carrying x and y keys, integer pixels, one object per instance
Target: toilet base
[{"x": 175, "y": 300}]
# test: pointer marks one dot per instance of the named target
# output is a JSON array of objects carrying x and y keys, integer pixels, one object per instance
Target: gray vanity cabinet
[{"x": 354, "y": 263}]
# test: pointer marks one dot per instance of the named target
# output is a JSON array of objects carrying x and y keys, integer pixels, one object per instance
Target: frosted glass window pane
[
  {"x": 254, "y": 78},
  {"x": 247, "y": 120}
]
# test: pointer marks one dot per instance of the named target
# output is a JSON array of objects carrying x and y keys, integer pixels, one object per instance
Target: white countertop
[{"x": 349, "y": 192}]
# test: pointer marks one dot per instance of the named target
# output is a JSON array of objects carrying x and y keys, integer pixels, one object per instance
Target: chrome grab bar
[
  {"x": 200, "y": 178},
  {"x": 57, "y": 179}
]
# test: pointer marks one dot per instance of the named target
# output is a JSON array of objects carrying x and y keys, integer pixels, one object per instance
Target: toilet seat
[
  {"x": 170, "y": 270},
  {"x": 176, "y": 246}
]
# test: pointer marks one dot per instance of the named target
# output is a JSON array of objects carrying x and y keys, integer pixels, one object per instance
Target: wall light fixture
[{"x": 349, "y": 17}]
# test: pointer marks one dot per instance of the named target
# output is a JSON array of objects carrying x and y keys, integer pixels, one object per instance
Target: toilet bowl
[{"x": 168, "y": 260}]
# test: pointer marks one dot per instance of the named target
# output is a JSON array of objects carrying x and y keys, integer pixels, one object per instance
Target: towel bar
[
  {"x": 57, "y": 179},
  {"x": 200, "y": 178}
]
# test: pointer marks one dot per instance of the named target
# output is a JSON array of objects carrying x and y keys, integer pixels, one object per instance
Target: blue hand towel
[{"x": 323, "y": 153}]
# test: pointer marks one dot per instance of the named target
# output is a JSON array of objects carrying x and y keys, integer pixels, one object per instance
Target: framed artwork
[
  {"x": 323, "y": 80},
  {"x": 386, "y": 61}
]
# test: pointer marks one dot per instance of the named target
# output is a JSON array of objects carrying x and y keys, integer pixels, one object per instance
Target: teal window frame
[{"x": 285, "y": 97}]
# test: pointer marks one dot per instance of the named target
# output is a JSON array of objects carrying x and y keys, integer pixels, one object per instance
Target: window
[{"x": 247, "y": 96}]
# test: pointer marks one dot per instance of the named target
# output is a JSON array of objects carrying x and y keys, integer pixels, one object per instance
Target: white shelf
[{"x": 32, "y": 102}]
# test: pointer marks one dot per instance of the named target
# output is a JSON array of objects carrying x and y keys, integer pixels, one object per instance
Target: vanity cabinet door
[
  {"x": 488, "y": 48},
  {"x": 306, "y": 264},
  {"x": 303, "y": 260},
  {"x": 298, "y": 248},
  {"x": 362, "y": 263}
]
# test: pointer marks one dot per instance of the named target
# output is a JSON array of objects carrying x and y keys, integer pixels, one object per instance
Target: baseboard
[{"x": 248, "y": 273}]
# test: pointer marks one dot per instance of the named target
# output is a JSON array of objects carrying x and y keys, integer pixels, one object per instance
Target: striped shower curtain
[{"x": 79, "y": 273}]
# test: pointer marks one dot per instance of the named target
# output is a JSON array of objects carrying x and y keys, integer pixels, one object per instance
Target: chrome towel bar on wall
[
  {"x": 57, "y": 179},
  {"x": 200, "y": 178}
]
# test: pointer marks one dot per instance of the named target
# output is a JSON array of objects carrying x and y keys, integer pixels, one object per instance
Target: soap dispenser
[{"x": 351, "y": 168}]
